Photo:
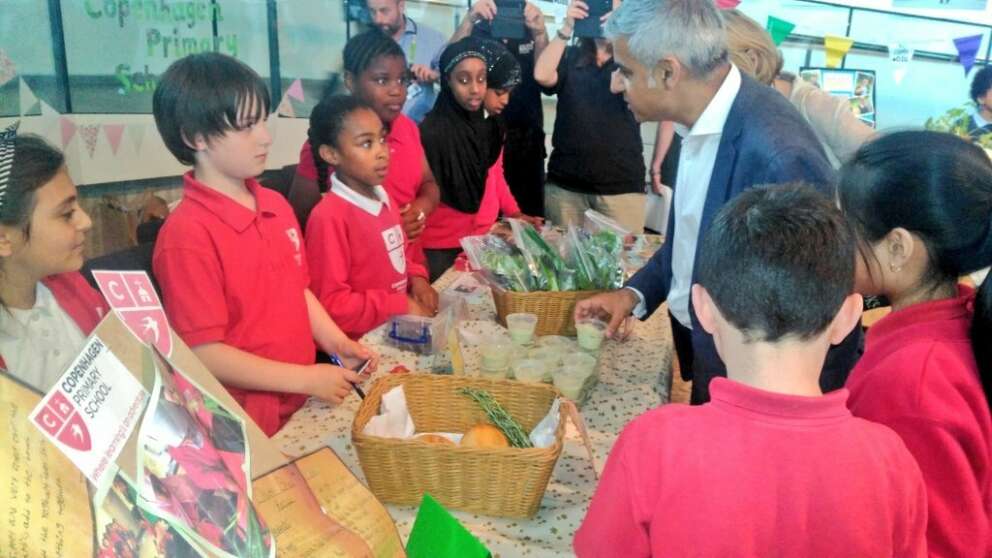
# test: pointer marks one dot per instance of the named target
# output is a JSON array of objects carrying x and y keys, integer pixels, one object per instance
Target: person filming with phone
[{"x": 597, "y": 159}]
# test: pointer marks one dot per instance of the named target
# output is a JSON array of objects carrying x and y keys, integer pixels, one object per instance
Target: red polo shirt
[
  {"x": 236, "y": 276},
  {"x": 406, "y": 161},
  {"x": 918, "y": 376},
  {"x": 755, "y": 474}
]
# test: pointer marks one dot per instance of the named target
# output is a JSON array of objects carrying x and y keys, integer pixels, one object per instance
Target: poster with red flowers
[{"x": 193, "y": 470}]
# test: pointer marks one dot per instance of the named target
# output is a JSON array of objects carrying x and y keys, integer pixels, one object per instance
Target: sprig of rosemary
[{"x": 499, "y": 417}]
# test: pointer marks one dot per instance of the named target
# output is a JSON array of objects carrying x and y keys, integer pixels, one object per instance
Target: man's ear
[
  {"x": 702, "y": 303},
  {"x": 847, "y": 318},
  {"x": 670, "y": 72},
  {"x": 329, "y": 155}
]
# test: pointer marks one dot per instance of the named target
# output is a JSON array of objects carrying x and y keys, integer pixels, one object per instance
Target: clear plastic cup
[
  {"x": 581, "y": 361},
  {"x": 550, "y": 356},
  {"x": 521, "y": 327},
  {"x": 554, "y": 341},
  {"x": 529, "y": 370},
  {"x": 569, "y": 381},
  {"x": 590, "y": 332},
  {"x": 495, "y": 358}
]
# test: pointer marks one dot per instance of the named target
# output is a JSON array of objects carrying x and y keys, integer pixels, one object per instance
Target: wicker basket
[
  {"x": 508, "y": 482},
  {"x": 554, "y": 309}
]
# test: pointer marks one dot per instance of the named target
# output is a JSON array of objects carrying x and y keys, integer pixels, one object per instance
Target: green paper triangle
[
  {"x": 437, "y": 534},
  {"x": 779, "y": 29}
]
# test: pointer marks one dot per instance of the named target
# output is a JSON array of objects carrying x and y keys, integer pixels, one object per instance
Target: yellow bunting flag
[{"x": 837, "y": 48}]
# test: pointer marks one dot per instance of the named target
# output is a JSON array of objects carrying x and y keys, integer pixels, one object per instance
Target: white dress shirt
[
  {"x": 699, "y": 148},
  {"x": 38, "y": 344}
]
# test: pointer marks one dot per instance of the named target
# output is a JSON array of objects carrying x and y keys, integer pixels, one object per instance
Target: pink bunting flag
[
  {"x": 296, "y": 90},
  {"x": 967, "y": 49},
  {"x": 89, "y": 132},
  {"x": 68, "y": 130},
  {"x": 7, "y": 68},
  {"x": 114, "y": 133},
  {"x": 727, "y": 4}
]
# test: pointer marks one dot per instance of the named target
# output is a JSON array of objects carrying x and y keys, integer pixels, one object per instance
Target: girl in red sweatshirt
[
  {"x": 358, "y": 254},
  {"x": 922, "y": 205},
  {"x": 48, "y": 309}
]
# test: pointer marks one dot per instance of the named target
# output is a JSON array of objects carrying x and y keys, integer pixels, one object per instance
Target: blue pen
[{"x": 336, "y": 361}]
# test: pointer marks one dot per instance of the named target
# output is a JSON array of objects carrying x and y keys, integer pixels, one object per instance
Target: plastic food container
[
  {"x": 529, "y": 370},
  {"x": 521, "y": 326},
  {"x": 591, "y": 333}
]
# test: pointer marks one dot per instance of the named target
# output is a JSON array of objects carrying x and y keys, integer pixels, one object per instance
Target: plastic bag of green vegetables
[
  {"x": 498, "y": 261},
  {"x": 596, "y": 257},
  {"x": 548, "y": 269}
]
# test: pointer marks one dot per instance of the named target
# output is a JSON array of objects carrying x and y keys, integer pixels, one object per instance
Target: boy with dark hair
[
  {"x": 230, "y": 259},
  {"x": 770, "y": 466}
]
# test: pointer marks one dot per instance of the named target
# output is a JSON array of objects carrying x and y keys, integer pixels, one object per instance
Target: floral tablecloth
[{"x": 634, "y": 376}]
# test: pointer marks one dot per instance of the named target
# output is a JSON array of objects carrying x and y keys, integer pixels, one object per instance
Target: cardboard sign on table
[{"x": 313, "y": 506}]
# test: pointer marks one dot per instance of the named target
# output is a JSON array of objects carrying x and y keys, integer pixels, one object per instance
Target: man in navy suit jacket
[{"x": 737, "y": 134}]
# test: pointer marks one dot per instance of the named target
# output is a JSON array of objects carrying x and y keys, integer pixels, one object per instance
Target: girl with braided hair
[
  {"x": 375, "y": 72},
  {"x": 48, "y": 308}
]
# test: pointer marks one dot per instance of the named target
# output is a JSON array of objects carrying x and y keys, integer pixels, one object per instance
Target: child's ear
[
  {"x": 703, "y": 305},
  {"x": 847, "y": 318},
  {"x": 196, "y": 143},
  {"x": 7, "y": 237},
  {"x": 329, "y": 155},
  {"x": 899, "y": 245}
]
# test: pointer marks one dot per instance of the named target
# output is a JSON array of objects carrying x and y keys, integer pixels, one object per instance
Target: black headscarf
[{"x": 462, "y": 145}]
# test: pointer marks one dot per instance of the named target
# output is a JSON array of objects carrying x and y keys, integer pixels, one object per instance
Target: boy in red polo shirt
[
  {"x": 770, "y": 466},
  {"x": 230, "y": 259}
]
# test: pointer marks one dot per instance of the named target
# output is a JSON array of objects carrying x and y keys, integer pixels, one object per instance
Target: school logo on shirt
[
  {"x": 393, "y": 239},
  {"x": 294, "y": 237}
]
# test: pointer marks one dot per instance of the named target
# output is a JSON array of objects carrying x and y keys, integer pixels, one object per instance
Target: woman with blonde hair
[{"x": 752, "y": 50}]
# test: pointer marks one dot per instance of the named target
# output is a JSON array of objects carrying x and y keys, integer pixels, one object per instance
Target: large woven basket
[
  {"x": 554, "y": 309},
  {"x": 508, "y": 482}
]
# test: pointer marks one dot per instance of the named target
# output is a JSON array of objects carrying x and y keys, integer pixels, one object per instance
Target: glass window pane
[
  {"x": 26, "y": 53},
  {"x": 116, "y": 50}
]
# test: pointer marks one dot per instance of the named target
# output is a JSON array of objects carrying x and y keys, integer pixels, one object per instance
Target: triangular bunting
[
  {"x": 48, "y": 122},
  {"x": 296, "y": 90},
  {"x": 837, "y": 48},
  {"x": 28, "y": 98},
  {"x": 286, "y": 108},
  {"x": 137, "y": 134},
  {"x": 113, "y": 133},
  {"x": 727, "y": 4},
  {"x": 899, "y": 55},
  {"x": 47, "y": 110},
  {"x": 967, "y": 49},
  {"x": 68, "y": 130},
  {"x": 89, "y": 133},
  {"x": 779, "y": 29},
  {"x": 7, "y": 68}
]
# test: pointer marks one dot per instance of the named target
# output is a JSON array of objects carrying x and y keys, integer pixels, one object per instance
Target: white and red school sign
[
  {"x": 91, "y": 411},
  {"x": 132, "y": 296}
]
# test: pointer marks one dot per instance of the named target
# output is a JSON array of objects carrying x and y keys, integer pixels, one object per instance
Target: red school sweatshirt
[
  {"x": 359, "y": 258},
  {"x": 918, "y": 376}
]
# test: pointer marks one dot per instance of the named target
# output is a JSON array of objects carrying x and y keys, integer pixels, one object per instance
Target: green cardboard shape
[{"x": 437, "y": 534}]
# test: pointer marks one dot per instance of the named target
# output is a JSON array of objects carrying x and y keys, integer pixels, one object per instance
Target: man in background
[{"x": 422, "y": 46}]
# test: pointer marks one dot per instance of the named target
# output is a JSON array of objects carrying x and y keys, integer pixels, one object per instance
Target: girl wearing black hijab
[{"x": 464, "y": 147}]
